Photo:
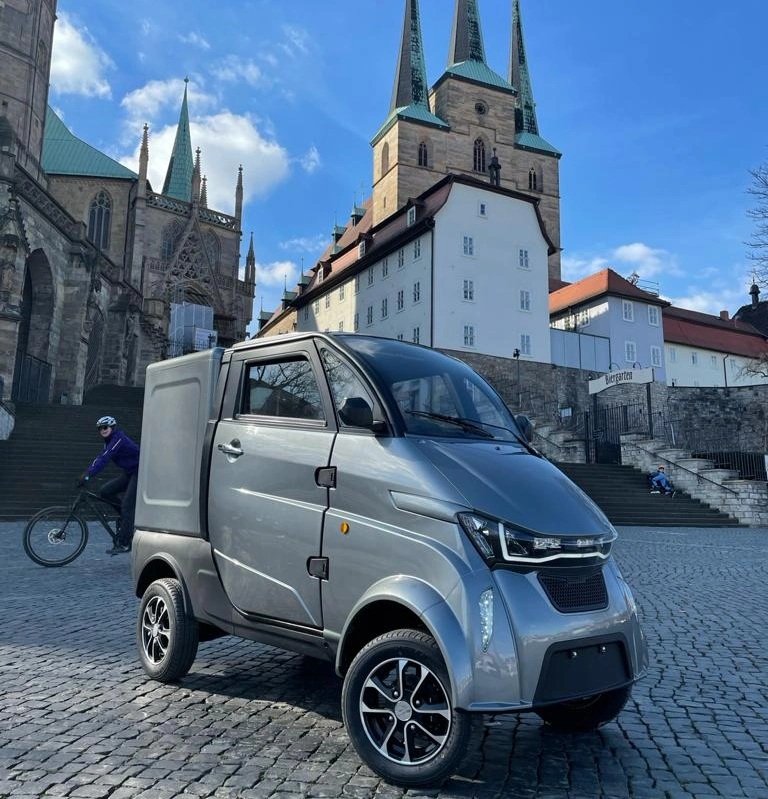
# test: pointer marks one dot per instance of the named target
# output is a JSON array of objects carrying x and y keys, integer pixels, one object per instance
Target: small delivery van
[{"x": 375, "y": 503}]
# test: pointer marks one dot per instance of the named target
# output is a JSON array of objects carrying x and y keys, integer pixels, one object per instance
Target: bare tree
[
  {"x": 758, "y": 243},
  {"x": 756, "y": 367}
]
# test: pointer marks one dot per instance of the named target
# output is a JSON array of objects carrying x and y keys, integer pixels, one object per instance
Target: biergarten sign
[{"x": 619, "y": 378}]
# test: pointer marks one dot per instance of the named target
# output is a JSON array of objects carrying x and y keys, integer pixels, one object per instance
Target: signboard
[{"x": 620, "y": 378}]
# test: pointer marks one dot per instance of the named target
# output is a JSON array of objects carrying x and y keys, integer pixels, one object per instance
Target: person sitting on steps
[
  {"x": 124, "y": 453},
  {"x": 660, "y": 483}
]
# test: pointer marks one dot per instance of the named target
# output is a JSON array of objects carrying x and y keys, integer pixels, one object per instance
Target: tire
[
  {"x": 388, "y": 682},
  {"x": 166, "y": 635},
  {"x": 54, "y": 537},
  {"x": 586, "y": 715}
]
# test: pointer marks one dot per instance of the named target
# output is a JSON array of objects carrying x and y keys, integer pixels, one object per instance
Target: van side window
[
  {"x": 286, "y": 389},
  {"x": 349, "y": 394}
]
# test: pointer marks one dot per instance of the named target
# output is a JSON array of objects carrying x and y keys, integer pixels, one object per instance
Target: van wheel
[
  {"x": 397, "y": 708},
  {"x": 586, "y": 715},
  {"x": 166, "y": 636}
]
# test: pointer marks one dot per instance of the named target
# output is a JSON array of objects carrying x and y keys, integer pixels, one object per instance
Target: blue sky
[{"x": 659, "y": 108}]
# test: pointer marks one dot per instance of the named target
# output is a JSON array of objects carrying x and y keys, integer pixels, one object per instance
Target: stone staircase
[
  {"x": 623, "y": 495},
  {"x": 52, "y": 444}
]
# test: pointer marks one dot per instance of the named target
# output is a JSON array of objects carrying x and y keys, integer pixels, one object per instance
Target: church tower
[
  {"x": 26, "y": 68},
  {"x": 474, "y": 122}
]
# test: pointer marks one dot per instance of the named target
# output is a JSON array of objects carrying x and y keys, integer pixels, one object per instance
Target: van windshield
[{"x": 434, "y": 394}]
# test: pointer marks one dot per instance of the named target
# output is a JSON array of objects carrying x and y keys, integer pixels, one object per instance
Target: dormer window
[
  {"x": 411, "y": 216},
  {"x": 361, "y": 248}
]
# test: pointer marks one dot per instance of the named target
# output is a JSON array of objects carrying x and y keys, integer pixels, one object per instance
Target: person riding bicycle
[{"x": 124, "y": 453}]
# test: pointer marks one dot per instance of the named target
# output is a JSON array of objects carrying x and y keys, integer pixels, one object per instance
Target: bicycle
[{"x": 57, "y": 535}]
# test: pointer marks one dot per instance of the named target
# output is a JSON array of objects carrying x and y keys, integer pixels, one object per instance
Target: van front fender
[{"x": 434, "y": 613}]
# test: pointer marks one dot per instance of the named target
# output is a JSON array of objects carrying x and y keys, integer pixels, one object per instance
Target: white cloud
[
  {"x": 575, "y": 268},
  {"x": 646, "y": 261},
  {"x": 297, "y": 41},
  {"x": 278, "y": 273},
  {"x": 315, "y": 244},
  {"x": 148, "y": 102},
  {"x": 195, "y": 39},
  {"x": 310, "y": 161},
  {"x": 233, "y": 69},
  {"x": 78, "y": 64}
]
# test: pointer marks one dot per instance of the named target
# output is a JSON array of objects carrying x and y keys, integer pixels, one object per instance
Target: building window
[
  {"x": 99, "y": 220},
  {"x": 423, "y": 154},
  {"x": 627, "y": 311},
  {"x": 630, "y": 351},
  {"x": 417, "y": 249},
  {"x": 469, "y": 245},
  {"x": 525, "y": 300},
  {"x": 417, "y": 291},
  {"x": 400, "y": 258},
  {"x": 522, "y": 259},
  {"x": 400, "y": 299},
  {"x": 469, "y": 290},
  {"x": 356, "y": 322},
  {"x": 400, "y": 337},
  {"x": 672, "y": 353},
  {"x": 370, "y": 277},
  {"x": 653, "y": 315},
  {"x": 369, "y": 315},
  {"x": 713, "y": 361},
  {"x": 327, "y": 301},
  {"x": 582, "y": 318},
  {"x": 410, "y": 217},
  {"x": 525, "y": 344},
  {"x": 479, "y": 164},
  {"x": 385, "y": 267},
  {"x": 341, "y": 293},
  {"x": 384, "y": 308},
  {"x": 655, "y": 356},
  {"x": 695, "y": 358},
  {"x": 533, "y": 180},
  {"x": 416, "y": 335},
  {"x": 306, "y": 313},
  {"x": 341, "y": 327},
  {"x": 385, "y": 159},
  {"x": 469, "y": 336},
  {"x": 317, "y": 307},
  {"x": 482, "y": 209},
  {"x": 361, "y": 249},
  {"x": 357, "y": 284}
]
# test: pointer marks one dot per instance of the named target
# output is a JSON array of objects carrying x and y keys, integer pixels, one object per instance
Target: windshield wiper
[{"x": 465, "y": 424}]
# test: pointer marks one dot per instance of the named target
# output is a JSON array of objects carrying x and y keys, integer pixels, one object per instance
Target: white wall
[{"x": 694, "y": 366}]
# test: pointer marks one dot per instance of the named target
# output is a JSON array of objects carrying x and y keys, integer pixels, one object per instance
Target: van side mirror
[{"x": 525, "y": 425}]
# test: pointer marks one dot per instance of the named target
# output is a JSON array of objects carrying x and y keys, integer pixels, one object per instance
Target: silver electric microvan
[{"x": 374, "y": 503}]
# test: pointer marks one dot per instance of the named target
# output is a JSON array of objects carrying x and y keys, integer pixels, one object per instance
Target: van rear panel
[{"x": 178, "y": 403}]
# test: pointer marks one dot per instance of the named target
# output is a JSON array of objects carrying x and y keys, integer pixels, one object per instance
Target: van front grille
[{"x": 575, "y": 593}]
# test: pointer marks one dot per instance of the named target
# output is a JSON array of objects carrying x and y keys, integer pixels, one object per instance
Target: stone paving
[{"x": 78, "y": 717}]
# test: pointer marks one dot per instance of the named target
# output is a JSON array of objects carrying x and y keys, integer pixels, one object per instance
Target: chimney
[{"x": 724, "y": 315}]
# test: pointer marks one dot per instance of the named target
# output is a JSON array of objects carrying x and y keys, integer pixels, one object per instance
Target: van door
[{"x": 266, "y": 499}]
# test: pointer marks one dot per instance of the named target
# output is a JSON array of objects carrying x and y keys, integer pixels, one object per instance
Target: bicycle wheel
[{"x": 55, "y": 536}]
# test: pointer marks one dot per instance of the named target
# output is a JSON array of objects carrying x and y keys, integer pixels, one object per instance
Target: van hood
[{"x": 506, "y": 482}]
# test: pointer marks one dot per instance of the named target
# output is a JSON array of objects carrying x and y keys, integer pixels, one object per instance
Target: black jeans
[{"x": 125, "y": 484}]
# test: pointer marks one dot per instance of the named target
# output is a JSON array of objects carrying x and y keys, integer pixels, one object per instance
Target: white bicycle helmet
[{"x": 106, "y": 421}]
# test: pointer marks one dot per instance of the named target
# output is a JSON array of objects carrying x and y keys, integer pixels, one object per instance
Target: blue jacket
[{"x": 119, "y": 449}]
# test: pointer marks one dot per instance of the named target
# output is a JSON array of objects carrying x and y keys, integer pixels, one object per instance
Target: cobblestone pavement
[{"x": 78, "y": 718}]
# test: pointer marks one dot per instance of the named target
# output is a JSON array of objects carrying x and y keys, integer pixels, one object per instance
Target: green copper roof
[
  {"x": 479, "y": 73},
  {"x": 519, "y": 77},
  {"x": 65, "y": 154},
  {"x": 411, "y": 79},
  {"x": 178, "y": 179},
  {"x": 467, "y": 35},
  {"x": 413, "y": 113},
  {"x": 532, "y": 141}
]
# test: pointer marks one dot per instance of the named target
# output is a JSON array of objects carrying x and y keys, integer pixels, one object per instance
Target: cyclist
[{"x": 124, "y": 453}]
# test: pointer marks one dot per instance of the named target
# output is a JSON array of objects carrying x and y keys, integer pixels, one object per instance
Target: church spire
[
  {"x": 250, "y": 265},
  {"x": 178, "y": 179},
  {"x": 519, "y": 77},
  {"x": 467, "y": 36},
  {"x": 239, "y": 195},
  {"x": 411, "y": 78},
  {"x": 143, "y": 162}
]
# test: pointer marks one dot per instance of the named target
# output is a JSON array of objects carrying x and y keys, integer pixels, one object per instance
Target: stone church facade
[{"x": 92, "y": 259}]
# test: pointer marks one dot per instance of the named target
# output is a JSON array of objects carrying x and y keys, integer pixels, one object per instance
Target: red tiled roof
[
  {"x": 708, "y": 332},
  {"x": 598, "y": 285}
]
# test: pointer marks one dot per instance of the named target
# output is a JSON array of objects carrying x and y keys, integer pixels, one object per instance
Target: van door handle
[{"x": 232, "y": 449}]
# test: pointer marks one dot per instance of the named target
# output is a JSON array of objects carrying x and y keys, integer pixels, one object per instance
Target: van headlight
[{"x": 501, "y": 542}]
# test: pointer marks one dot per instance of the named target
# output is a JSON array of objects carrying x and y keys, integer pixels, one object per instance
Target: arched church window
[
  {"x": 171, "y": 235},
  {"x": 423, "y": 154},
  {"x": 479, "y": 155},
  {"x": 533, "y": 180},
  {"x": 385, "y": 159},
  {"x": 100, "y": 220},
  {"x": 212, "y": 247}
]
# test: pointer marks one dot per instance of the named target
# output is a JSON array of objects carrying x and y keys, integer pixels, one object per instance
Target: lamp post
[{"x": 516, "y": 356}]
